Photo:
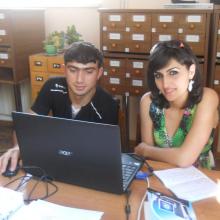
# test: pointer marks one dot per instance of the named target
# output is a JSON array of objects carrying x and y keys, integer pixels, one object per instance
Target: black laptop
[{"x": 77, "y": 152}]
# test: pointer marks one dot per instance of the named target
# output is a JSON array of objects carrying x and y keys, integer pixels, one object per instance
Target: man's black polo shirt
[{"x": 54, "y": 97}]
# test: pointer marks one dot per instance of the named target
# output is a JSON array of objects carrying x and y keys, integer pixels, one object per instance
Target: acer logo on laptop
[{"x": 65, "y": 153}]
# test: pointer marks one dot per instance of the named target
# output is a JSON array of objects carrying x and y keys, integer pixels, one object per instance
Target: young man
[{"x": 75, "y": 96}]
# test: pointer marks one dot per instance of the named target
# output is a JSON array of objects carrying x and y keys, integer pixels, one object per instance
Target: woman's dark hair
[
  {"x": 83, "y": 52},
  {"x": 160, "y": 56}
]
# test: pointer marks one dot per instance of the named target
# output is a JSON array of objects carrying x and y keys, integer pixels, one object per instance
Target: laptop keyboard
[{"x": 130, "y": 167}]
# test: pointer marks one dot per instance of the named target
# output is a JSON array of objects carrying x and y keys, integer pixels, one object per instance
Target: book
[
  {"x": 188, "y": 183},
  {"x": 159, "y": 206}
]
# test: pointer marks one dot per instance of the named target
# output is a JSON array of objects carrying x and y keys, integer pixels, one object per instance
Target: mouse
[{"x": 8, "y": 172}]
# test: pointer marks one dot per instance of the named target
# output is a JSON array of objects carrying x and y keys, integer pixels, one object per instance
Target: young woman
[{"x": 178, "y": 115}]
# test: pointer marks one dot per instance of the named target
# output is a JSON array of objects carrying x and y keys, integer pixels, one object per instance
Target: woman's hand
[{"x": 141, "y": 149}]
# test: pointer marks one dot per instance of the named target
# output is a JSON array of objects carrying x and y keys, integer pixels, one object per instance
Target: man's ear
[
  {"x": 192, "y": 71},
  {"x": 100, "y": 72}
]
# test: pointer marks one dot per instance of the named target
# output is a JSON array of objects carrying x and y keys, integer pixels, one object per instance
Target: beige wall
[{"x": 86, "y": 20}]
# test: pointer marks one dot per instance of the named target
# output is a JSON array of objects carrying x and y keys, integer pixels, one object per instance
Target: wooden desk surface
[{"x": 113, "y": 205}]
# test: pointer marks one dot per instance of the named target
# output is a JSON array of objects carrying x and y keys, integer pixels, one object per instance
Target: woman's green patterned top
[{"x": 162, "y": 139}]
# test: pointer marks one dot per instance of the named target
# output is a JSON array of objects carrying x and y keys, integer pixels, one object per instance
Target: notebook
[{"x": 77, "y": 152}]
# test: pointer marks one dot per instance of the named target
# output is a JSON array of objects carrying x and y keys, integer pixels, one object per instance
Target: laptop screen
[{"x": 77, "y": 152}]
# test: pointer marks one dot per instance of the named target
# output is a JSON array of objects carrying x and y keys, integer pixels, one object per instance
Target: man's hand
[{"x": 13, "y": 155}]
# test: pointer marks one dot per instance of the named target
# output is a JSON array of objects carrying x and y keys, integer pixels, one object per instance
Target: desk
[{"x": 113, "y": 205}]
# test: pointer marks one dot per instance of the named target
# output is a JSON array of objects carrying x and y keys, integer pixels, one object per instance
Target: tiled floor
[{"x": 6, "y": 139}]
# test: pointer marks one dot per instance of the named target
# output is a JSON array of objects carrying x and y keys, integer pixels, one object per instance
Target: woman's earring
[{"x": 190, "y": 86}]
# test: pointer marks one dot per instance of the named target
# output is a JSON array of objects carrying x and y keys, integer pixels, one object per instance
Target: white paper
[
  {"x": 115, "y": 63},
  {"x": 4, "y": 56},
  {"x": 10, "y": 202},
  {"x": 194, "y": 18},
  {"x": 114, "y": 81},
  {"x": 138, "y": 18},
  {"x": 114, "y": 17},
  {"x": 138, "y": 65},
  {"x": 192, "y": 38},
  {"x": 114, "y": 36},
  {"x": 2, "y": 32},
  {"x": 166, "y": 18},
  {"x": 42, "y": 210},
  {"x": 138, "y": 37},
  {"x": 188, "y": 183}
]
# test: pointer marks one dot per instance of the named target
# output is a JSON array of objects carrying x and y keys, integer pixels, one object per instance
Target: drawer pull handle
[
  {"x": 113, "y": 25},
  {"x": 138, "y": 25},
  {"x": 113, "y": 89},
  {"x": 113, "y": 45},
  {"x": 137, "y": 91},
  {"x": 192, "y": 26},
  {"x": 2, "y": 62},
  {"x": 137, "y": 46},
  {"x": 137, "y": 71},
  {"x": 164, "y": 25},
  {"x": 113, "y": 70}
]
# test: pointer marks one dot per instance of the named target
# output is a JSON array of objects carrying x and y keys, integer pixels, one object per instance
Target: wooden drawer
[
  {"x": 5, "y": 35},
  {"x": 4, "y": 18},
  {"x": 38, "y": 63},
  {"x": 193, "y": 23},
  {"x": 116, "y": 80},
  {"x": 138, "y": 22},
  {"x": 138, "y": 42},
  {"x": 115, "y": 63},
  {"x": 110, "y": 71},
  {"x": 163, "y": 23},
  {"x": 196, "y": 42},
  {"x": 113, "y": 21},
  {"x": 158, "y": 37},
  {"x": 114, "y": 41},
  {"x": 136, "y": 68},
  {"x": 55, "y": 64},
  {"x": 136, "y": 86},
  {"x": 52, "y": 75},
  {"x": 5, "y": 58},
  {"x": 35, "y": 91},
  {"x": 114, "y": 89},
  {"x": 38, "y": 78}
]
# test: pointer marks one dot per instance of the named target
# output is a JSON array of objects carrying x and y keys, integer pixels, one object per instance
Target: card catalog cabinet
[
  {"x": 126, "y": 34},
  {"x": 214, "y": 65},
  {"x": 43, "y": 67},
  {"x": 124, "y": 75},
  {"x": 21, "y": 34}
]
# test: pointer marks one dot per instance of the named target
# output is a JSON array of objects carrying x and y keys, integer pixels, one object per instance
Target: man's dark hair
[
  {"x": 83, "y": 52},
  {"x": 162, "y": 53}
]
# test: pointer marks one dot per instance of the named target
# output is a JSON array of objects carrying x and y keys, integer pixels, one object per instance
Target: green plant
[
  {"x": 72, "y": 35},
  {"x": 55, "y": 38},
  {"x": 59, "y": 39}
]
